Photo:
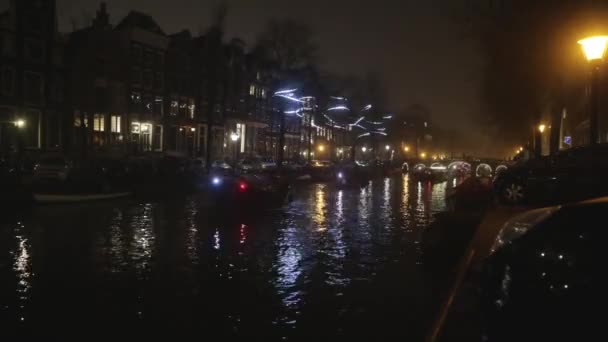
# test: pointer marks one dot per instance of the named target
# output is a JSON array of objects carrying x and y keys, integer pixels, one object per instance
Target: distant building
[
  {"x": 32, "y": 83},
  {"x": 133, "y": 89},
  {"x": 145, "y": 81},
  {"x": 98, "y": 97},
  {"x": 183, "y": 120},
  {"x": 247, "y": 100}
]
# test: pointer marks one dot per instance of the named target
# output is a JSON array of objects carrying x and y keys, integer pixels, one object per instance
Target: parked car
[
  {"x": 439, "y": 172},
  {"x": 78, "y": 175},
  {"x": 421, "y": 172},
  {"x": 459, "y": 169},
  {"x": 573, "y": 174},
  {"x": 6, "y": 169},
  {"x": 544, "y": 277},
  {"x": 269, "y": 164},
  {"x": 53, "y": 168},
  {"x": 221, "y": 167},
  {"x": 249, "y": 165},
  {"x": 197, "y": 167},
  {"x": 321, "y": 170}
]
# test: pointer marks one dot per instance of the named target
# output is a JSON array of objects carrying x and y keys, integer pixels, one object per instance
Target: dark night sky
[{"x": 416, "y": 46}]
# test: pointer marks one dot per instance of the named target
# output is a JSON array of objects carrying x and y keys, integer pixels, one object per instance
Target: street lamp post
[
  {"x": 321, "y": 149},
  {"x": 234, "y": 137},
  {"x": 594, "y": 49},
  {"x": 539, "y": 139},
  {"x": 20, "y": 125}
]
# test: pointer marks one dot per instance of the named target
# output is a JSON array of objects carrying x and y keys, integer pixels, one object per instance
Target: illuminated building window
[
  {"x": 135, "y": 97},
  {"x": 174, "y": 107},
  {"x": 191, "y": 108},
  {"x": 115, "y": 123},
  {"x": 252, "y": 90},
  {"x": 98, "y": 122},
  {"x": 183, "y": 108},
  {"x": 158, "y": 105}
]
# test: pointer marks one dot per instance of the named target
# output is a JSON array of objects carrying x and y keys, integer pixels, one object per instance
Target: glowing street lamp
[
  {"x": 321, "y": 148},
  {"x": 423, "y": 155},
  {"x": 363, "y": 149},
  {"x": 234, "y": 136},
  {"x": 542, "y": 128},
  {"x": 406, "y": 148},
  {"x": 20, "y": 123},
  {"x": 594, "y": 49}
]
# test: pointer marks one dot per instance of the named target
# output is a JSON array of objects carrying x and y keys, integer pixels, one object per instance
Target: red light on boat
[{"x": 242, "y": 186}]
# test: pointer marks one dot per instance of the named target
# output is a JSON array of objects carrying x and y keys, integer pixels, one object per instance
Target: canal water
[{"x": 331, "y": 264}]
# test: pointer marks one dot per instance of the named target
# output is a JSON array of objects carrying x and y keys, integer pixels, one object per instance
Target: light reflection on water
[
  {"x": 325, "y": 246},
  {"x": 23, "y": 268}
]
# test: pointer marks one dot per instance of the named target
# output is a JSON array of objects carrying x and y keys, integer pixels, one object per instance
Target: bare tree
[
  {"x": 531, "y": 57},
  {"x": 213, "y": 61},
  {"x": 289, "y": 46}
]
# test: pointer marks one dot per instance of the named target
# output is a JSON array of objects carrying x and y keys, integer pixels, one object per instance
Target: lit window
[
  {"x": 78, "y": 121},
  {"x": 98, "y": 122},
  {"x": 191, "y": 108},
  {"x": 252, "y": 90},
  {"x": 263, "y": 93},
  {"x": 158, "y": 105},
  {"x": 183, "y": 108},
  {"x": 174, "y": 108},
  {"x": 135, "y": 97},
  {"x": 115, "y": 123}
]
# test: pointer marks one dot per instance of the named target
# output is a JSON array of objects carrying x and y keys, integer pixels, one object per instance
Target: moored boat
[{"x": 74, "y": 198}]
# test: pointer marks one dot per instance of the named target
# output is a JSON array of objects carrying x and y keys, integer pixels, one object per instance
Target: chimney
[{"x": 102, "y": 19}]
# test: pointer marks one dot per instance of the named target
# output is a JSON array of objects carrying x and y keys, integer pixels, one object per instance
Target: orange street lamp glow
[
  {"x": 594, "y": 47},
  {"x": 321, "y": 148},
  {"x": 541, "y": 128},
  {"x": 406, "y": 148},
  {"x": 20, "y": 123}
]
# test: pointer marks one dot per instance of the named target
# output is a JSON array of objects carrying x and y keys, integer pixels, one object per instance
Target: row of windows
[
  {"x": 99, "y": 122},
  {"x": 7, "y": 81},
  {"x": 184, "y": 107},
  {"x": 33, "y": 85},
  {"x": 7, "y": 45},
  {"x": 147, "y": 57},
  {"x": 146, "y": 79},
  {"x": 257, "y": 91}
]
